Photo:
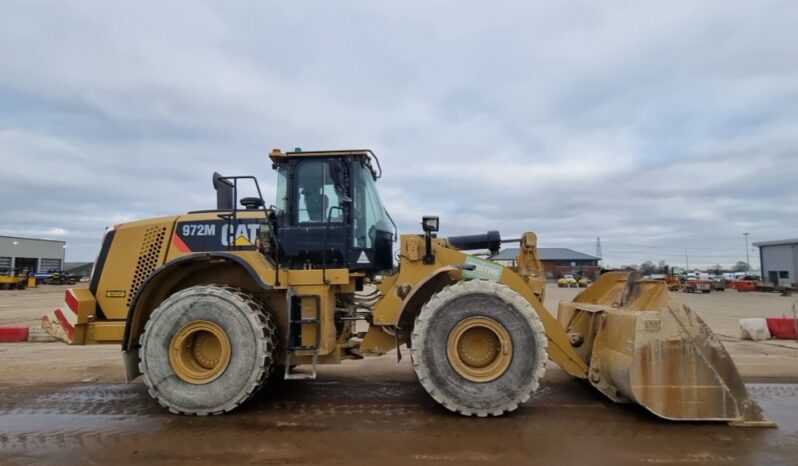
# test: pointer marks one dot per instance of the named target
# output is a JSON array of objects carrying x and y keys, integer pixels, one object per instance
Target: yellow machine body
[
  {"x": 12, "y": 280},
  {"x": 628, "y": 338}
]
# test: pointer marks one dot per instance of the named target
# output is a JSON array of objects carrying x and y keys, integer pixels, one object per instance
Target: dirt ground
[{"x": 70, "y": 405}]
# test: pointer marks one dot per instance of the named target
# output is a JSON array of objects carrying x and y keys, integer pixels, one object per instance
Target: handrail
[{"x": 324, "y": 244}]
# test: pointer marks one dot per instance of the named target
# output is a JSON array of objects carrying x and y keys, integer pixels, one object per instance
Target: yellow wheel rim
[
  {"x": 199, "y": 352},
  {"x": 479, "y": 349}
]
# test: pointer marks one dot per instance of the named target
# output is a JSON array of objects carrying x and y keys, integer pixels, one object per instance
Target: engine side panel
[{"x": 135, "y": 250}]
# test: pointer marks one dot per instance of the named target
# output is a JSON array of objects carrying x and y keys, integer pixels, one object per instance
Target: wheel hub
[
  {"x": 199, "y": 352},
  {"x": 479, "y": 349}
]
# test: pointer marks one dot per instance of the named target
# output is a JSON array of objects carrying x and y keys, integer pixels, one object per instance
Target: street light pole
[{"x": 747, "y": 259}]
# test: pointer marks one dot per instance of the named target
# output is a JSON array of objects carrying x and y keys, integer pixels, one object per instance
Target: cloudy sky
[{"x": 658, "y": 126}]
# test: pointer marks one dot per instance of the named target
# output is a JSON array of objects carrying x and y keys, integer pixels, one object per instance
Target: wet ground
[
  {"x": 65, "y": 405},
  {"x": 341, "y": 419}
]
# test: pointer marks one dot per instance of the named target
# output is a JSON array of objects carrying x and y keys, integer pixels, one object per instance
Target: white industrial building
[
  {"x": 779, "y": 261},
  {"x": 37, "y": 255}
]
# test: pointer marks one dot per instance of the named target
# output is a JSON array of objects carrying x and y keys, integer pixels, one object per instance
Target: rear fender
[{"x": 185, "y": 271}]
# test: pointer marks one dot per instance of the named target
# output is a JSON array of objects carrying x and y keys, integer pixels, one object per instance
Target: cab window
[
  {"x": 370, "y": 215},
  {"x": 316, "y": 194}
]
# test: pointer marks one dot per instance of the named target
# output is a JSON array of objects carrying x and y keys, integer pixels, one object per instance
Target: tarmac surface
[{"x": 68, "y": 405}]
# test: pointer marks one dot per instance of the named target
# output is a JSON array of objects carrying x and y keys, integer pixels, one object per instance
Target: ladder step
[
  {"x": 295, "y": 321},
  {"x": 300, "y": 376},
  {"x": 305, "y": 321}
]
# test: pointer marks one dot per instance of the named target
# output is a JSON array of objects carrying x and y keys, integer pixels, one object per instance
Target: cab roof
[{"x": 278, "y": 156}]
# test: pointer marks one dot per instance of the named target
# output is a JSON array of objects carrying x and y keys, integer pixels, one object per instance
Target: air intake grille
[{"x": 149, "y": 258}]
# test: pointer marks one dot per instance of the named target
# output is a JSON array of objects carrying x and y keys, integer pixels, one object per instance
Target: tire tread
[
  {"x": 259, "y": 318},
  {"x": 484, "y": 287}
]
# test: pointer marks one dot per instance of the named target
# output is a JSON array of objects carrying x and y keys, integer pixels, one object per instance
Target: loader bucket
[{"x": 642, "y": 346}]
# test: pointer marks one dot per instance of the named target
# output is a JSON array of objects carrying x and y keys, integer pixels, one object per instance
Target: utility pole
[
  {"x": 598, "y": 247},
  {"x": 686, "y": 261},
  {"x": 747, "y": 260}
]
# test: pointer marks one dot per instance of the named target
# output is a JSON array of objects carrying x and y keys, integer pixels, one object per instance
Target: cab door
[{"x": 313, "y": 231}]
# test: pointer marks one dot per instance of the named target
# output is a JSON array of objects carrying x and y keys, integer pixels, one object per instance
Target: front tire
[
  {"x": 479, "y": 348},
  {"x": 207, "y": 349}
]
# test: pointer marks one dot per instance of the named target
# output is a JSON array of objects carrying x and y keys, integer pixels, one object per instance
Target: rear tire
[
  {"x": 493, "y": 365},
  {"x": 207, "y": 349}
]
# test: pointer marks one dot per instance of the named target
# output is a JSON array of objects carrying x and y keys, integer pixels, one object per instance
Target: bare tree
[
  {"x": 741, "y": 266},
  {"x": 647, "y": 268}
]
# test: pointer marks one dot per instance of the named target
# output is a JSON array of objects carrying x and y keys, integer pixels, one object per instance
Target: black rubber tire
[
  {"x": 479, "y": 298},
  {"x": 250, "y": 329}
]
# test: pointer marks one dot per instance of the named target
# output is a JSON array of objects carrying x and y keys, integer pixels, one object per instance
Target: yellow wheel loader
[
  {"x": 13, "y": 279},
  {"x": 209, "y": 305}
]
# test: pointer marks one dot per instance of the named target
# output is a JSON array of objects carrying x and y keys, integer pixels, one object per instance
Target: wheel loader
[
  {"x": 13, "y": 279},
  {"x": 210, "y": 305}
]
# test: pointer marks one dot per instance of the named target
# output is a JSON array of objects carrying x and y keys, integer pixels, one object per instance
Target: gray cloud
[{"x": 659, "y": 128}]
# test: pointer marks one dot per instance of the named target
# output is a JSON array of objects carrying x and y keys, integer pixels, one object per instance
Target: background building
[
  {"x": 80, "y": 269},
  {"x": 779, "y": 261},
  {"x": 38, "y": 255},
  {"x": 557, "y": 262}
]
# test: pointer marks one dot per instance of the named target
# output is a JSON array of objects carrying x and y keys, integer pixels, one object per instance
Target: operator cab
[{"x": 329, "y": 213}]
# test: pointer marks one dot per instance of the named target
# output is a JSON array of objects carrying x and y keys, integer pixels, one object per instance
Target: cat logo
[
  {"x": 216, "y": 235},
  {"x": 363, "y": 259},
  {"x": 242, "y": 241}
]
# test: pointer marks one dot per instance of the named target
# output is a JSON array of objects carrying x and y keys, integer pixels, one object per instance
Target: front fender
[{"x": 422, "y": 292}]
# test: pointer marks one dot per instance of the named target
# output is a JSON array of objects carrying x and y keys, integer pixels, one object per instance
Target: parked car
[
  {"x": 694, "y": 285},
  {"x": 718, "y": 284},
  {"x": 567, "y": 281}
]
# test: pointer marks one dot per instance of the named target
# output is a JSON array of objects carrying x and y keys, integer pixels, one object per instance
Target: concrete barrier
[
  {"x": 755, "y": 329},
  {"x": 783, "y": 328},
  {"x": 39, "y": 335},
  {"x": 61, "y": 322},
  {"x": 22, "y": 333},
  {"x": 14, "y": 334}
]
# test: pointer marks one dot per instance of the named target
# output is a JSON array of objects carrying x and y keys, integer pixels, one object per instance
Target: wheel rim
[
  {"x": 199, "y": 352},
  {"x": 479, "y": 349}
]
